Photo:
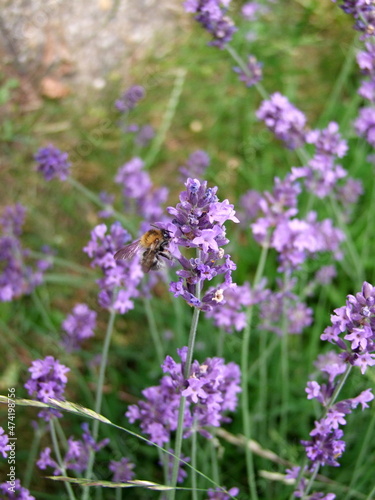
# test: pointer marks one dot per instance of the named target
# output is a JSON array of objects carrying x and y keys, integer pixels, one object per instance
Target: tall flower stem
[
  {"x": 153, "y": 330},
  {"x": 181, "y": 411},
  {"x": 99, "y": 396},
  {"x": 56, "y": 448},
  {"x": 168, "y": 117},
  {"x": 245, "y": 380},
  {"x": 95, "y": 199}
]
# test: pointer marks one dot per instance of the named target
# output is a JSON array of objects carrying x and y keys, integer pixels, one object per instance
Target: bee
[{"x": 153, "y": 246}]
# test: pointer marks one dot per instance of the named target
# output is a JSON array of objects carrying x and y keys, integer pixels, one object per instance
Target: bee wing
[{"x": 128, "y": 251}]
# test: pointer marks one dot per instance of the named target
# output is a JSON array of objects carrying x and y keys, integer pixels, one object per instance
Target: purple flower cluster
[
  {"x": 286, "y": 121},
  {"x": 78, "y": 326},
  {"x": 52, "y": 163},
  {"x": 15, "y": 492},
  {"x": 120, "y": 280},
  {"x": 48, "y": 380},
  {"x": 321, "y": 175},
  {"x": 294, "y": 239},
  {"x": 196, "y": 165},
  {"x": 77, "y": 455},
  {"x": 139, "y": 194},
  {"x": 122, "y": 470},
  {"x": 210, "y": 391},
  {"x": 16, "y": 278},
  {"x": 365, "y": 123},
  {"x": 4, "y": 440},
  {"x": 211, "y": 14},
  {"x": 357, "y": 321},
  {"x": 198, "y": 222},
  {"x": 363, "y": 12},
  {"x": 284, "y": 309},
  {"x": 231, "y": 315},
  {"x": 253, "y": 73},
  {"x": 130, "y": 98}
]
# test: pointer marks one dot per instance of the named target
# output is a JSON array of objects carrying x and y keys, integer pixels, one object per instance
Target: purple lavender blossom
[
  {"x": 252, "y": 10},
  {"x": 249, "y": 207},
  {"x": 16, "y": 277},
  {"x": 219, "y": 494},
  {"x": 77, "y": 455},
  {"x": 52, "y": 163},
  {"x": 122, "y": 470},
  {"x": 231, "y": 315},
  {"x": 144, "y": 136},
  {"x": 286, "y": 305},
  {"x": 365, "y": 124},
  {"x": 210, "y": 391},
  {"x": 253, "y": 73},
  {"x": 286, "y": 121},
  {"x": 4, "y": 443},
  {"x": 124, "y": 274},
  {"x": 48, "y": 380},
  {"x": 130, "y": 98},
  {"x": 211, "y": 14},
  {"x": 196, "y": 165},
  {"x": 78, "y": 326},
  {"x": 363, "y": 12},
  {"x": 199, "y": 223},
  {"x": 139, "y": 194},
  {"x": 357, "y": 320},
  {"x": 108, "y": 200},
  {"x": 17, "y": 492}
]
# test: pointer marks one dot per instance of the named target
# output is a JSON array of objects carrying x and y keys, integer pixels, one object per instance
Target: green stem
[
  {"x": 194, "y": 495},
  {"x": 284, "y": 367},
  {"x": 31, "y": 457},
  {"x": 62, "y": 262},
  {"x": 99, "y": 396},
  {"x": 181, "y": 411},
  {"x": 153, "y": 330},
  {"x": 168, "y": 117},
  {"x": 95, "y": 199},
  {"x": 311, "y": 482},
  {"x": 60, "y": 462},
  {"x": 245, "y": 403}
]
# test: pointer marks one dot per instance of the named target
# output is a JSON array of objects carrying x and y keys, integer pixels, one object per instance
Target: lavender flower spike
[
  {"x": 199, "y": 223},
  {"x": 52, "y": 163}
]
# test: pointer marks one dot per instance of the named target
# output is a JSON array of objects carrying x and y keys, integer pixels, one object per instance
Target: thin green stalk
[
  {"x": 245, "y": 401},
  {"x": 95, "y": 199},
  {"x": 362, "y": 457},
  {"x": 284, "y": 368},
  {"x": 352, "y": 250},
  {"x": 167, "y": 118},
  {"x": 99, "y": 396},
  {"x": 214, "y": 461},
  {"x": 181, "y": 411},
  {"x": 194, "y": 494},
  {"x": 153, "y": 330},
  {"x": 31, "y": 457},
  {"x": 62, "y": 262},
  {"x": 220, "y": 343},
  {"x": 56, "y": 448},
  {"x": 263, "y": 383},
  {"x": 311, "y": 482},
  {"x": 327, "y": 408}
]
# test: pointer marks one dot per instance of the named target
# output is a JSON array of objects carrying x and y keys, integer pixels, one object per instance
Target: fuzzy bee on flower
[{"x": 152, "y": 246}]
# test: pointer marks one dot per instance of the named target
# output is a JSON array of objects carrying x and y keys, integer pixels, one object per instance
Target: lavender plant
[{"x": 302, "y": 230}]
